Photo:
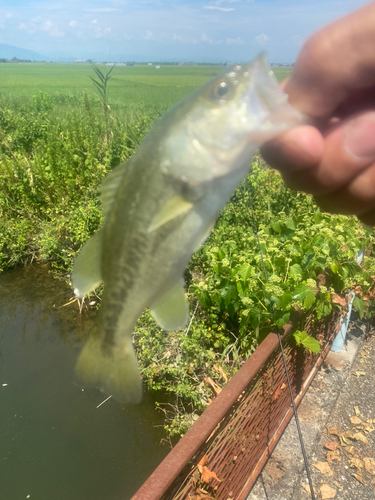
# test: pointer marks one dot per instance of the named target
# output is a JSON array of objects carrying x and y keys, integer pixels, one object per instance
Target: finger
[
  {"x": 357, "y": 197},
  {"x": 297, "y": 149},
  {"x": 368, "y": 218},
  {"x": 334, "y": 61},
  {"x": 349, "y": 148}
]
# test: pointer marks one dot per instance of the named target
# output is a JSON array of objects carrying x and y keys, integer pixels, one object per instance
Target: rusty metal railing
[{"x": 240, "y": 428}]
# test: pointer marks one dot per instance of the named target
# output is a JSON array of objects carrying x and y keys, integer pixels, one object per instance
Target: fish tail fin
[{"x": 113, "y": 369}]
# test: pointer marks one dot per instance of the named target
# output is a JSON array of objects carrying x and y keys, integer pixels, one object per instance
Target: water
[{"x": 55, "y": 444}]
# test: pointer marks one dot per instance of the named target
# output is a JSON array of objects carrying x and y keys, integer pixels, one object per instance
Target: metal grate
[{"x": 240, "y": 428}]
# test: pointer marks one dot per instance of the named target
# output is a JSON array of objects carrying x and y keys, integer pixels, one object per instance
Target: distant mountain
[{"x": 9, "y": 51}]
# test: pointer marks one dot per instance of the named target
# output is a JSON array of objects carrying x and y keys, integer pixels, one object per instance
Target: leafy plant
[
  {"x": 306, "y": 341},
  {"x": 101, "y": 84}
]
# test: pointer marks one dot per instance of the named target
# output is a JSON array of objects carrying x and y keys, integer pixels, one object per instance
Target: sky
[{"x": 197, "y": 30}]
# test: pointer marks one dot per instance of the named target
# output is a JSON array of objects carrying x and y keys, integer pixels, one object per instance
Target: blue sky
[{"x": 217, "y": 30}]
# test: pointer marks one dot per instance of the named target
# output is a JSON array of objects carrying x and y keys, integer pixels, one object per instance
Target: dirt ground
[{"x": 337, "y": 417}]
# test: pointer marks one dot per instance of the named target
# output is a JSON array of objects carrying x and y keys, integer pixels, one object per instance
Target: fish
[{"x": 160, "y": 206}]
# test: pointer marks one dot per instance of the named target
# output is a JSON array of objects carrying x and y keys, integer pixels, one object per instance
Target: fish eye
[{"x": 222, "y": 91}]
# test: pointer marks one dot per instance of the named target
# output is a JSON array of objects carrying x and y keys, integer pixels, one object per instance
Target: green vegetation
[{"x": 56, "y": 145}]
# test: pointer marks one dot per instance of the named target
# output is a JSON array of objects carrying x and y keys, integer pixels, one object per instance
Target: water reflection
[{"x": 55, "y": 443}]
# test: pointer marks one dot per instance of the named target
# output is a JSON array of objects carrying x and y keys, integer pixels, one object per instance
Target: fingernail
[{"x": 360, "y": 137}]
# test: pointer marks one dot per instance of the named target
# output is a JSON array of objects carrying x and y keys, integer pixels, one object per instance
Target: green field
[{"x": 130, "y": 86}]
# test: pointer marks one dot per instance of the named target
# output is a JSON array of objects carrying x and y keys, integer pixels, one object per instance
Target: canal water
[{"x": 55, "y": 442}]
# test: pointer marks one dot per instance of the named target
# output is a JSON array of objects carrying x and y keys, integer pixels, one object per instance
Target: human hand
[{"x": 333, "y": 82}]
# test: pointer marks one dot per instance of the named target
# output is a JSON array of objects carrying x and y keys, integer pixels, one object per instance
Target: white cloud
[
  {"x": 52, "y": 30},
  {"x": 261, "y": 39},
  {"x": 182, "y": 39},
  {"x": 216, "y": 4},
  {"x": 3, "y": 17},
  {"x": 234, "y": 41},
  {"x": 149, "y": 35},
  {"x": 297, "y": 40},
  {"x": 98, "y": 31},
  {"x": 215, "y": 7},
  {"x": 205, "y": 38},
  {"x": 73, "y": 24},
  {"x": 104, "y": 9},
  {"x": 22, "y": 27}
]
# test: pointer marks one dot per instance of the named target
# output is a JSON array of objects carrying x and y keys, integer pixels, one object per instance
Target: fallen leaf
[
  {"x": 283, "y": 387},
  {"x": 368, "y": 428},
  {"x": 324, "y": 468},
  {"x": 347, "y": 434},
  {"x": 195, "y": 477},
  {"x": 369, "y": 465},
  {"x": 327, "y": 491},
  {"x": 332, "y": 446},
  {"x": 355, "y": 420},
  {"x": 359, "y": 478},
  {"x": 358, "y": 436},
  {"x": 215, "y": 387},
  {"x": 336, "y": 299},
  {"x": 200, "y": 494},
  {"x": 334, "y": 430},
  {"x": 220, "y": 370},
  {"x": 338, "y": 485},
  {"x": 203, "y": 461},
  {"x": 356, "y": 410},
  {"x": 355, "y": 462},
  {"x": 277, "y": 393},
  {"x": 359, "y": 374},
  {"x": 307, "y": 488},
  {"x": 333, "y": 455},
  {"x": 344, "y": 441},
  {"x": 207, "y": 475}
]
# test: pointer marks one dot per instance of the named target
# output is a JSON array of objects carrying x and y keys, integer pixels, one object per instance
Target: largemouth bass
[{"x": 159, "y": 208}]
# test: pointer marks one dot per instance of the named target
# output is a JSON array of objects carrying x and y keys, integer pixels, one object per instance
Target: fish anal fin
[
  {"x": 86, "y": 274},
  {"x": 176, "y": 206},
  {"x": 171, "y": 311}
]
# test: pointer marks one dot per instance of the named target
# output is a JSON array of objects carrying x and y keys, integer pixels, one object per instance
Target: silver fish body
[{"x": 159, "y": 208}]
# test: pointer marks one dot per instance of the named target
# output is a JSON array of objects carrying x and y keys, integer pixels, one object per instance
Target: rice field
[{"x": 130, "y": 86}]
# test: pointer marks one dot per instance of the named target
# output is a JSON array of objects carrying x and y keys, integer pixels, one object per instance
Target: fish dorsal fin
[
  {"x": 86, "y": 274},
  {"x": 173, "y": 208},
  {"x": 171, "y": 311},
  {"x": 109, "y": 187}
]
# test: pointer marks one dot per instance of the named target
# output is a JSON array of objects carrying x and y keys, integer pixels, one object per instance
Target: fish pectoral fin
[
  {"x": 171, "y": 312},
  {"x": 109, "y": 187},
  {"x": 173, "y": 208},
  {"x": 86, "y": 274}
]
